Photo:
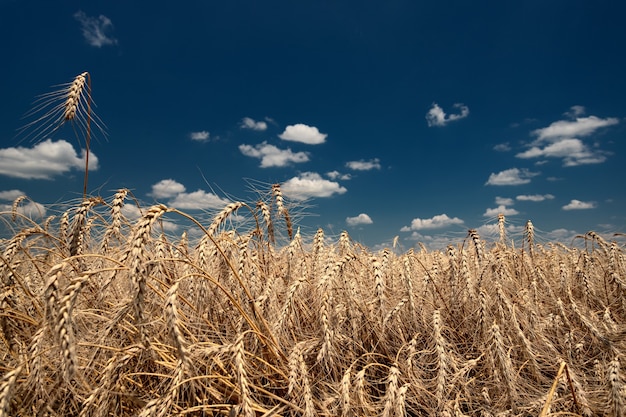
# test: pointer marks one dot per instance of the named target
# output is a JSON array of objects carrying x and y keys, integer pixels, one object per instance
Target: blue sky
[{"x": 398, "y": 118}]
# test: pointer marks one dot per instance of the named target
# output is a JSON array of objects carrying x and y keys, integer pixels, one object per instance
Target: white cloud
[
  {"x": 44, "y": 160},
  {"x": 358, "y": 220},
  {"x": 363, "y": 165},
  {"x": 198, "y": 200},
  {"x": 437, "y": 117},
  {"x": 11, "y": 195},
  {"x": 28, "y": 209},
  {"x": 248, "y": 123},
  {"x": 502, "y": 147},
  {"x": 504, "y": 201},
  {"x": 582, "y": 126},
  {"x": 271, "y": 156},
  {"x": 167, "y": 189},
  {"x": 336, "y": 175},
  {"x": 310, "y": 184},
  {"x": 579, "y": 205},
  {"x": 304, "y": 134},
  {"x": 501, "y": 209},
  {"x": 535, "y": 197},
  {"x": 512, "y": 176},
  {"x": 436, "y": 222},
  {"x": 201, "y": 136},
  {"x": 95, "y": 29},
  {"x": 573, "y": 151}
]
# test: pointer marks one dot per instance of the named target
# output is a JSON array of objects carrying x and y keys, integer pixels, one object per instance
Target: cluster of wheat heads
[{"x": 102, "y": 315}]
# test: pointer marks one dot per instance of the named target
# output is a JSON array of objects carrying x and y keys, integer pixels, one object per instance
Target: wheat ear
[
  {"x": 282, "y": 210},
  {"x": 7, "y": 383}
]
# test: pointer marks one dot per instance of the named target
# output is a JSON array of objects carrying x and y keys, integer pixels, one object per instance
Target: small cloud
[
  {"x": 201, "y": 136},
  {"x": 95, "y": 29},
  {"x": 304, "y": 134},
  {"x": 502, "y": 147},
  {"x": 535, "y": 197},
  {"x": 198, "y": 200},
  {"x": 166, "y": 189},
  {"x": 248, "y": 123},
  {"x": 501, "y": 209},
  {"x": 358, "y": 220},
  {"x": 436, "y": 222},
  {"x": 11, "y": 195},
  {"x": 310, "y": 184},
  {"x": 579, "y": 205},
  {"x": 44, "y": 160},
  {"x": 336, "y": 175},
  {"x": 364, "y": 165},
  {"x": 512, "y": 176},
  {"x": 503, "y": 201},
  {"x": 271, "y": 156},
  {"x": 437, "y": 117}
]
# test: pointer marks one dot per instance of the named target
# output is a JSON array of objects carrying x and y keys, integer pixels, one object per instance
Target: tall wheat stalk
[{"x": 72, "y": 104}]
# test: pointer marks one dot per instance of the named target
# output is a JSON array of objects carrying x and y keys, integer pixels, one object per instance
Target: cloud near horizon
[
  {"x": 359, "y": 220},
  {"x": 272, "y": 156},
  {"x": 437, "y": 117},
  {"x": 436, "y": 222},
  {"x": 303, "y": 134},
  {"x": 178, "y": 197},
  {"x": 95, "y": 29},
  {"x": 44, "y": 160},
  {"x": 579, "y": 205},
  {"x": 310, "y": 184}
]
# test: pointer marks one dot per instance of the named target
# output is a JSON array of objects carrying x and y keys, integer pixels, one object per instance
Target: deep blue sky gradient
[{"x": 366, "y": 74}]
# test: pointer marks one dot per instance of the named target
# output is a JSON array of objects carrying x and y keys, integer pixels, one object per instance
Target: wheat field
[{"x": 102, "y": 315}]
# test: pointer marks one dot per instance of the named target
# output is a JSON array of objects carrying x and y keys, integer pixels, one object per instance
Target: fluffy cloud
[
  {"x": 363, "y": 165},
  {"x": 26, "y": 208},
  {"x": 304, "y": 134},
  {"x": 177, "y": 196},
  {"x": 579, "y": 205},
  {"x": 535, "y": 197},
  {"x": 95, "y": 29},
  {"x": 248, "y": 123},
  {"x": 437, "y": 117},
  {"x": 11, "y": 195},
  {"x": 582, "y": 126},
  {"x": 501, "y": 209},
  {"x": 167, "y": 189},
  {"x": 198, "y": 200},
  {"x": 201, "y": 136},
  {"x": 512, "y": 176},
  {"x": 436, "y": 222},
  {"x": 360, "y": 219},
  {"x": 43, "y": 161},
  {"x": 271, "y": 156},
  {"x": 310, "y": 184},
  {"x": 573, "y": 151},
  {"x": 562, "y": 140}
]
